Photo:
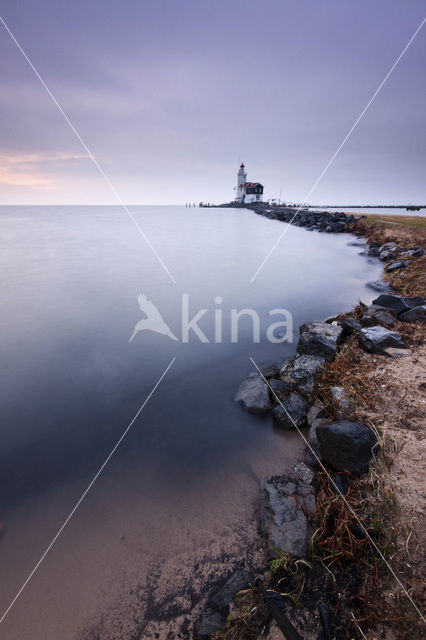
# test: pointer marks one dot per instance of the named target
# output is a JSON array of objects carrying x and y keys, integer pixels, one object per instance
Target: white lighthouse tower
[{"x": 241, "y": 180}]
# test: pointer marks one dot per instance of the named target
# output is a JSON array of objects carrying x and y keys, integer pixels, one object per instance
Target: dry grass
[
  {"x": 248, "y": 620},
  {"x": 408, "y": 235},
  {"x": 361, "y": 575},
  {"x": 410, "y": 281},
  {"x": 405, "y": 221}
]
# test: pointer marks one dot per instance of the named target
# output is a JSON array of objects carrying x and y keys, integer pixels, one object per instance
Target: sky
[{"x": 171, "y": 95}]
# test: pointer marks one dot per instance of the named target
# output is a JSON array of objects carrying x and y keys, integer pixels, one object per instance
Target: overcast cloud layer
[{"x": 171, "y": 95}]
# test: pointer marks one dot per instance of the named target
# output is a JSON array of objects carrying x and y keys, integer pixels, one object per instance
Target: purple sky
[{"x": 170, "y": 95}]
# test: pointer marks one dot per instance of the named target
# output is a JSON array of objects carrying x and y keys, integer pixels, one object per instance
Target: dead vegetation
[
  {"x": 410, "y": 281},
  {"x": 388, "y": 229}
]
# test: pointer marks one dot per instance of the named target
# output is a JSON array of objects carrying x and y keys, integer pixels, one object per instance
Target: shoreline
[{"x": 319, "y": 402}]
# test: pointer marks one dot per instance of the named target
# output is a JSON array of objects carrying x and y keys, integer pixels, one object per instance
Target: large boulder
[
  {"x": 391, "y": 302},
  {"x": 319, "y": 339},
  {"x": 292, "y": 412},
  {"x": 399, "y": 304},
  {"x": 345, "y": 445},
  {"x": 302, "y": 372},
  {"x": 279, "y": 389},
  {"x": 416, "y": 314},
  {"x": 378, "y": 340},
  {"x": 286, "y": 503},
  {"x": 378, "y": 315},
  {"x": 253, "y": 394}
]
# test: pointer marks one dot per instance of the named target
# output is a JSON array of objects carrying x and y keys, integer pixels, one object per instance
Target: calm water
[{"x": 70, "y": 383}]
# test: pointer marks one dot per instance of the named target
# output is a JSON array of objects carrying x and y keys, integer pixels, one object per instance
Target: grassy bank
[{"x": 405, "y": 221}]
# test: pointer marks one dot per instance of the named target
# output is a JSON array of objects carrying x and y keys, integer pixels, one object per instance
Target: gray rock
[
  {"x": 378, "y": 339},
  {"x": 307, "y": 372},
  {"x": 343, "y": 404},
  {"x": 398, "y": 264},
  {"x": 374, "y": 252},
  {"x": 386, "y": 255},
  {"x": 416, "y": 314},
  {"x": 286, "y": 503},
  {"x": 302, "y": 372},
  {"x": 315, "y": 412},
  {"x": 312, "y": 449},
  {"x": 415, "y": 301},
  {"x": 350, "y": 326},
  {"x": 378, "y": 315},
  {"x": 319, "y": 339},
  {"x": 380, "y": 285},
  {"x": 253, "y": 395},
  {"x": 292, "y": 412},
  {"x": 287, "y": 373},
  {"x": 338, "y": 227},
  {"x": 346, "y": 446},
  {"x": 279, "y": 389},
  {"x": 270, "y": 370},
  {"x": 221, "y": 599},
  {"x": 394, "y": 302},
  {"x": 209, "y": 625},
  {"x": 413, "y": 253}
]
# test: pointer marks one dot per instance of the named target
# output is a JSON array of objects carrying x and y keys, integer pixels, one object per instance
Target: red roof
[
  {"x": 251, "y": 184},
  {"x": 242, "y": 165}
]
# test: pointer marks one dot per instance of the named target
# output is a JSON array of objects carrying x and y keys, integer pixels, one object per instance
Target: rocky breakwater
[{"x": 322, "y": 221}]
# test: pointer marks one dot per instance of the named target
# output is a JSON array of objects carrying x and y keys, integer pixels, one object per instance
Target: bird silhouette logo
[{"x": 153, "y": 320}]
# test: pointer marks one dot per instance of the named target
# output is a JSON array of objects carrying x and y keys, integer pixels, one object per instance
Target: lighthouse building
[{"x": 247, "y": 191}]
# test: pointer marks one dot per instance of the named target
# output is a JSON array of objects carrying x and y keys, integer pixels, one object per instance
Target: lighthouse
[
  {"x": 247, "y": 192},
  {"x": 241, "y": 180}
]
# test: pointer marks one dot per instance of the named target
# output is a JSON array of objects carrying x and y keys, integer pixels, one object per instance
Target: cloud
[{"x": 33, "y": 169}]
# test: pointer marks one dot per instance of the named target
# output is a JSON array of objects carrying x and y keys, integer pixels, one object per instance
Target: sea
[{"x": 126, "y": 467}]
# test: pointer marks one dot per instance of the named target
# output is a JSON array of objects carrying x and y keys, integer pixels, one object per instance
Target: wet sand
[{"x": 134, "y": 562}]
